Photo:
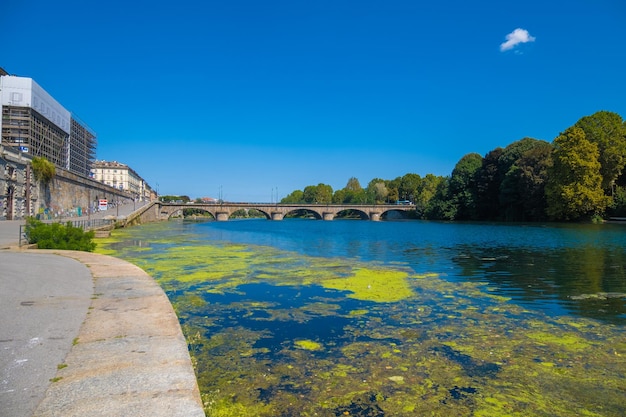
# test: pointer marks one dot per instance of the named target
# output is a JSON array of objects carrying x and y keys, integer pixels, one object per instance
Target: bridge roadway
[{"x": 223, "y": 211}]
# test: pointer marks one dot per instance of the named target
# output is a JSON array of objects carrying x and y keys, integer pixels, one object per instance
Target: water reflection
[{"x": 556, "y": 280}]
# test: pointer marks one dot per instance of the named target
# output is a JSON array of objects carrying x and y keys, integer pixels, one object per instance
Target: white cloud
[{"x": 515, "y": 38}]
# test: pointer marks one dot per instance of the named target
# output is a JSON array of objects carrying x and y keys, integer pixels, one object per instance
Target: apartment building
[
  {"x": 34, "y": 123},
  {"x": 122, "y": 177}
]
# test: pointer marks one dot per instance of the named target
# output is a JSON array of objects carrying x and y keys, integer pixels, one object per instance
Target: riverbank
[{"x": 127, "y": 355}]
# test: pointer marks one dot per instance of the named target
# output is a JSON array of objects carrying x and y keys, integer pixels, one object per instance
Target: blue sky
[{"x": 249, "y": 96}]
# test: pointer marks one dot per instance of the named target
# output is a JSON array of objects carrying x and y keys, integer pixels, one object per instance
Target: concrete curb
[{"x": 130, "y": 357}]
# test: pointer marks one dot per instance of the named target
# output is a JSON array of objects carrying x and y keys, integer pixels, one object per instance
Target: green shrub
[
  {"x": 59, "y": 236},
  {"x": 43, "y": 169}
]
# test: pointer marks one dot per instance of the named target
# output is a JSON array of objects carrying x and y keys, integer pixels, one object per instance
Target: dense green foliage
[
  {"x": 463, "y": 191},
  {"x": 59, "y": 236},
  {"x": 618, "y": 206},
  {"x": 574, "y": 187},
  {"x": 608, "y": 131},
  {"x": 174, "y": 199},
  {"x": 318, "y": 194},
  {"x": 43, "y": 170},
  {"x": 580, "y": 175}
]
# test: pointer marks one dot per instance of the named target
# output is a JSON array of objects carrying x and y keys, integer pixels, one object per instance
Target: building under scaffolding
[
  {"x": 34, "y": 123},
  {"x": 82, "y": 148}
]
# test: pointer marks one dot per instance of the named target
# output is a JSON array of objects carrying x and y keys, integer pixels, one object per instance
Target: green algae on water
[
  {"x": 409, "y": 344},
  {"x": 378, "y": 285},
  {"x": 308, "y": 345}
]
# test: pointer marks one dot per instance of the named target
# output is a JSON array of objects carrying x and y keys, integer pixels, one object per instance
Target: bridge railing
[{"x": 231, "y": 203}]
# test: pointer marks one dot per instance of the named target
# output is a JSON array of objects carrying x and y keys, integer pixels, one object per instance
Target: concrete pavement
[
  {"x": 40, "y": 318},
  {"x": 88, "y": 334},
  {"x": 10, "y": 233}
]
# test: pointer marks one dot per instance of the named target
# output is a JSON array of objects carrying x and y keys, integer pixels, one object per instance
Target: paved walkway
[
  {"x": 39, "y": 319},
  {"x": 10, "y": 233},
  {"x": 99, "y": 327}
]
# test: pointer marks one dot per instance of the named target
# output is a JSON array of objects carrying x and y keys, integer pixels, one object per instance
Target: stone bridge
[{"x": 157, "y": 210}]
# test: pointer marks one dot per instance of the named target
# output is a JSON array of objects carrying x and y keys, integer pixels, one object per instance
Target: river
[{"x": 395, "y": 318}]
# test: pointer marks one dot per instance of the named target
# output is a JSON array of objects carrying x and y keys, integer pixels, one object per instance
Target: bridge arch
[
  {"x": 169, "y": 212},
  {"x": 306, "y": 211},
  {"x": 360, "y": 213},
  {"x": 268, "y": 216},
  {"x": 393, "y": 213},
  {"x": 204, "y": 210}
]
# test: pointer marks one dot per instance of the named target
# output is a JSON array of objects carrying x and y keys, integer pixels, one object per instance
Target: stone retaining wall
[
  {"x": 67, "y": 195},
  {"x": 69, "y": 192}
]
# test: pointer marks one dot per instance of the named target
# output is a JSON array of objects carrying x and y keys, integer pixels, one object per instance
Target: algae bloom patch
[
  {"x": 379, "y": 285},
  {"x": 308, "y": 345}
]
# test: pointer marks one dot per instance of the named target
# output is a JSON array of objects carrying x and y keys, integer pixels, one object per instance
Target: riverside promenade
[{"x": 84, "y": 334}]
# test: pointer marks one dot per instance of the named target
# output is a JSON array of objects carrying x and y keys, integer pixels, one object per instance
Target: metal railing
[{"x": 90, "y": 223}]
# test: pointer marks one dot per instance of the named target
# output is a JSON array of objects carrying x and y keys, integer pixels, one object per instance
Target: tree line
[{"x": 579, "y": 176}]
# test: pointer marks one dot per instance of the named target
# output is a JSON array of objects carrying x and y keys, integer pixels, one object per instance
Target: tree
[
  {"x": 488, "y": 180},
  {"x": 339, "y": 196},
  {"x": 352, "y": 193},
  {"x": 462, "y": 187},
  {"x": 393, "y": 187},
  {"x": 353, "y": 185},
  {"x": 318, "y": 194},
  {"x": 608, "y": 131},
  {"x": 515, "y": 194},
  {"x": 295, "y": 197},
  {"x": 574, "y": 187},
  {"x": 380, "y": 192},
  {"x": 514, "y": 151},
  {"x": 309, "y": 194},
  {"x": 174, "y": 198},
  {"x": 409, "y": 186},
  {"x": 324, "y": 194},
  {"x": 523, "y": 187},
  {"x": 356, "y": 197},
  {"x": 426, "y": 192},
  {"x": 441, "y": 206},
  {"x": 618, "y": 205},
  {"x": 377, "y": 191}
]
